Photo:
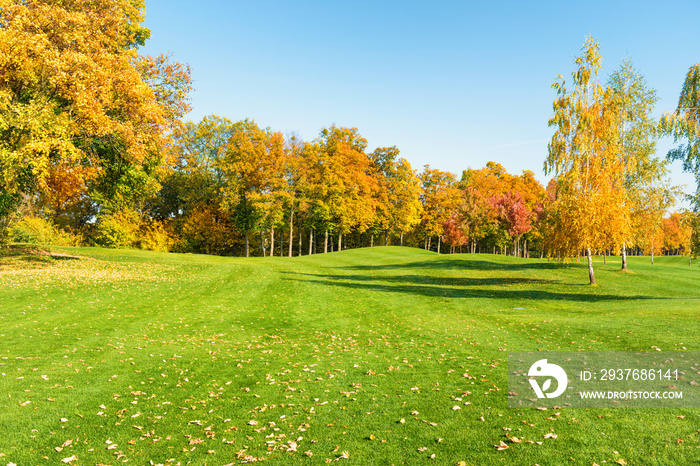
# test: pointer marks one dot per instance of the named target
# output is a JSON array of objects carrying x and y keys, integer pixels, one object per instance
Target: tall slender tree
[
  {"x": 585, "y": 155},
  {"x": 637, "y": 131},
  {"x": 684, "y": 125}
]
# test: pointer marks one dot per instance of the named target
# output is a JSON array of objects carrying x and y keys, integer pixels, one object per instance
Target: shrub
[
  {"x": 37, "y": 230},
  {"x": 155, "y": 237},
  {"x": 117, "y": 230}
]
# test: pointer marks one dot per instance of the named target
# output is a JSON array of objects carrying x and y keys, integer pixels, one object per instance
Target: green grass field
[{"x": 109, "y": 356}]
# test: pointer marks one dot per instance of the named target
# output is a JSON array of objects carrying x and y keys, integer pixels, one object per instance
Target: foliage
[
  {"x": 155, "y": 236},
  {"x": 440, "y": 196},
  {"x": 586, "y": 156},
  {"x": 38, "y": 230},
  {"x": 339, "y": 175},
  {"x": 684, "y": 125},
  {"x": 117, "y": 229},
  {"x": 80, "y": 110},
  {"x": 253, "y": 167}
]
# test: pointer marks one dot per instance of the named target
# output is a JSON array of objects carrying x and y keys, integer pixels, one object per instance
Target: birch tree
[{"x": 585, "y": 155}]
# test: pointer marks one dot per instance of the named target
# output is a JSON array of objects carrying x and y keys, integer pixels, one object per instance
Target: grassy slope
[{"x": 170, "y": 356}]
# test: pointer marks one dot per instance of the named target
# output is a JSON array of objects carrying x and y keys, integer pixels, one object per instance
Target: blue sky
[{"x": 451, "y": 84}]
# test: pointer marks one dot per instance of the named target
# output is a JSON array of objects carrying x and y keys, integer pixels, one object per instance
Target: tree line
[{"x": 93, "y": 150}]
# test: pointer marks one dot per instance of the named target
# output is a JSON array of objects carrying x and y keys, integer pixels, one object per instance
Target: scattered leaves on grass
[{"x": 501, "y": 446}]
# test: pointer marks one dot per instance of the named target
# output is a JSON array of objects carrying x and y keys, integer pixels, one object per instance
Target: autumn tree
[
  {"x": 651, "y": 203},
  {"x": 691, "y": 221},
  {"x": 493, "y": 183},
  {"x": 253, "y": 165},
  {"x": 76, "y": 100},
  {"x": 475, "y": 215},
  {"x": 439, "y": 197},
  {"x": 295, "y": 176},
  {"x": 398, "y": 192},
  {"x": 454, "y": 232},
  {"x": 513, "y": 215},
  {"x": 191, "y": 195},
  {"x": 676, "y": 234},
  {"x": 585, "y": 156},
  {"x": 340, "y": 182}
]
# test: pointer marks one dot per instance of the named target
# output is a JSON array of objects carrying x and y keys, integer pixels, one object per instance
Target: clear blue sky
[{"x": 452, "y": 84}]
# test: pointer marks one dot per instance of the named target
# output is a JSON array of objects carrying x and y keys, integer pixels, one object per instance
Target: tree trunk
[
  {"x": 590, "y": 266},
  {"x": 340, "y": 241},
  {"x": 247, "y": 243},
  {"x": 311, "y": 240},
  {"x": 371, "y": 241},
  {"x": 282, "y": 242},
  {"x": 291, "y": 230},
  {"x": 272, "y": 241},
  {"x": 439, "y": 242},
  {"x": 652, "y": 250},
  {"x": 262, "y": 243},
  {"x": 624, "y": 258},
  {"x": 401, "y": 237},
  {"x": 430, "y": 238},
  {"x": 386, "y": 240},
  {"x": 605, "y": 257},
  {"x": 325, "y": 242},
  {"x": 299, "y": 235}
]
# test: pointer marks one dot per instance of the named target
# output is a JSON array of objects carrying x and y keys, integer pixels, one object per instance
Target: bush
[
  {"x": 117, "y": 230},
  {"x": 37, "y": 230},
  {"x": 155, "y": 237}
]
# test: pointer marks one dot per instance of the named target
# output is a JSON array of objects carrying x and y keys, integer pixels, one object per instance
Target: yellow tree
[
  {"x": 676, "y": 234},
  {"x": 585, "y": 155},
  {"x": 253, "y": 166},
  {"x": 73, "y": 90},
  {"x": 650, "y": 204},
  {"x": 440, "y": 197},
  {"x": 398, "y": 192},
  {"x": 341, "y": 190}
]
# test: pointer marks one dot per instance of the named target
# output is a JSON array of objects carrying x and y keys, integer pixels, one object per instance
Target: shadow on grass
[
  {"x": 431, "y": 280},
  {"x": 464, "y": 264},
  {"x": 32, "y": 255},
  {"x": 446, "y": 288},
  {"x": 424, "y": 283}
]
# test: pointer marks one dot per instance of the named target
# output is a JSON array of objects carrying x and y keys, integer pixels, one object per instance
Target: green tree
[
  {"x": 684, "y": 125},
  {"x": 637, "y": 131}
]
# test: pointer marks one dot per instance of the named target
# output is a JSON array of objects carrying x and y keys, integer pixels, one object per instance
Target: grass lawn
[{"x": 111, "y": 356}]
